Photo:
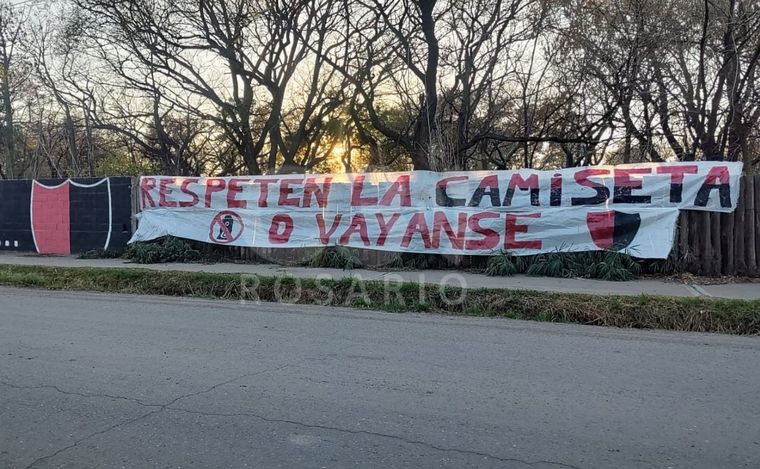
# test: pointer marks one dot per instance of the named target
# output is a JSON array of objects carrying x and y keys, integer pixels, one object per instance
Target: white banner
[{"x": 633, "y": 208}]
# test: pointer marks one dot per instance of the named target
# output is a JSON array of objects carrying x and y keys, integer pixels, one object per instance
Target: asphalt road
[{"x": 117, "y": 381}]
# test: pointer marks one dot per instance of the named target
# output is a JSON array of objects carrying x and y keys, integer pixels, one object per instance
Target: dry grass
[{"x": 646, "y": 312}]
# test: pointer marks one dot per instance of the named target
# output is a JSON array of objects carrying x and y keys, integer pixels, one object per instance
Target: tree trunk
[
  {"x": 71, "y": 140},
  {"x": 8, "y": 133},
  {"x": 426, "y": 125}
]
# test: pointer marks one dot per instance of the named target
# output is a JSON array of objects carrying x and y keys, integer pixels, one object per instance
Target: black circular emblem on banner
[{"x": 226, "y": 227}]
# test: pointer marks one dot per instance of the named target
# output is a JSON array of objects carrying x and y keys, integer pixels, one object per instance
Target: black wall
[{"x": 88, "y": 216}]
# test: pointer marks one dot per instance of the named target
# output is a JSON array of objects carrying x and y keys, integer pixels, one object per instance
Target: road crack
[
  {"x": 171, "y": 406},
  {"x": 91, "y": 435},
  {"x": 79, "y": 394},
  {"x": 375, "y": 434},
  {"x": 161, "y": 408}
]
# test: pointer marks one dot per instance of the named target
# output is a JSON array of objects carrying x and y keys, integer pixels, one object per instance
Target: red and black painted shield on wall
[
  {"x": 71, "y": 217},
  {"x": 60, "y": 216},
  {"x": 613, "y": 229}
]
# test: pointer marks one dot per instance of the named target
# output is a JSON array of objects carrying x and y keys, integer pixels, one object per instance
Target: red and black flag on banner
[
  {"x": 613, "y": 229},
  {"x": 64, "y": 217}
]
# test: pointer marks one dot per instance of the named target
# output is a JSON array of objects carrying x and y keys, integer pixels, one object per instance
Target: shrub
[
  {"x": 505, "y": 264},
  {"x": 602, "y": 265},
  {"x": 336, "y": 257},
  {"x": 555, "y": 264},
  {"x": 168, "y": 249},
  {"x": 102, "y": 254},
  {"x": 675, "y": 264},
  {"x": 419, "y": 261},
  {"x": 212, "y": 252},
  {"x": 613, "y": 265}
]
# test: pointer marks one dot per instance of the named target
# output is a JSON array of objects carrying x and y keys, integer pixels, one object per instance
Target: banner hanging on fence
[{"x": 631, "y": 208}]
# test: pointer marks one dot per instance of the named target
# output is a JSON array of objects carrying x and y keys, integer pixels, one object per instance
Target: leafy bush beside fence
[{"x": 603, "y": 265}]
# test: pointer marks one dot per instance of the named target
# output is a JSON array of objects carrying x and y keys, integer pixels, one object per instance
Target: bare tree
[
  {"x": 394, "y": 45},
  {"x": 12, "y": 74},
  {"x": 232, "y": 63},
  {"x": 232, "y": 86},
  {"x": 685, "y": 78}
]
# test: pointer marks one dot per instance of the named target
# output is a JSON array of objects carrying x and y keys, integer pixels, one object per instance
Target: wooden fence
[{"x": 723, "y": 243}]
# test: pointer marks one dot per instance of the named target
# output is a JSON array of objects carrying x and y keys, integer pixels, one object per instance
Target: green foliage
[
  {"x": 422, "y": 306},
  {"x": 123, "y": 165},
  {"x": 500, "y": 265},
  {"x": 168, "y": 249},
  {"x": 505, "y": 264},
  {"x": 675, "y": 264},
  {"x": 214, "y": 252},
  {"x": 102, "y": 254},
  {"x": 612, "y": 265},
  {"x": 361, "y": 303},
  {"x": 336, "y": 257},
  {"x": 419, "y": 261},
  {"x": 602, "y": 265},
  {"x": 555, "y": 264}
]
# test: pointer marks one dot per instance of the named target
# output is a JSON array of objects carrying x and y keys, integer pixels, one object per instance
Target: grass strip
[{"x": 646, "y": 312}]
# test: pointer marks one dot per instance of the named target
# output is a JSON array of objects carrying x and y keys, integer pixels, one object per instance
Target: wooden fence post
[
  {"x": 756, "y": 226},
  {"x": 749, "y": 232},
  {"x": 728, "y": 226},
  {"x": 135, "y": 192},
  {"x": 739, "y": 228}
]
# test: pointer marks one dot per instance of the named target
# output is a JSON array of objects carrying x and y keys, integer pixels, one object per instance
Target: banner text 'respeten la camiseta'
[{"x": 631, "y": 208}]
